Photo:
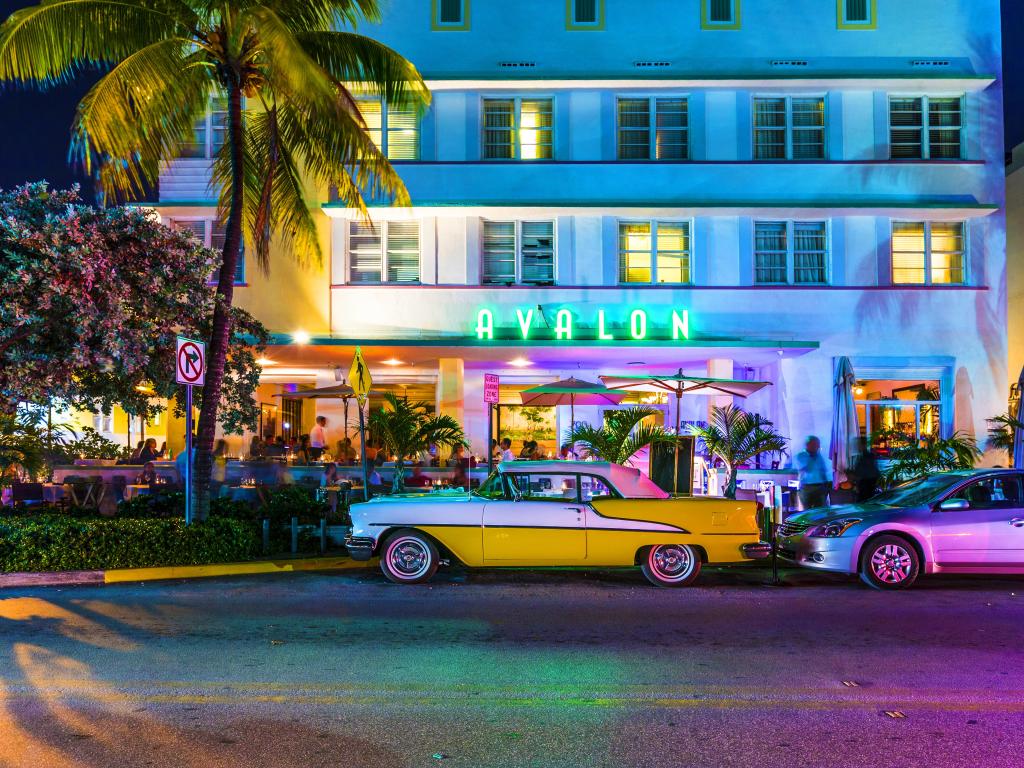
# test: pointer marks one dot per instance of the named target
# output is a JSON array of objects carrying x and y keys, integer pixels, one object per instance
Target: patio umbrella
[
  {"x": 844, "y": 420},
  {"x": 570, "y": 392},
  {"x": 1018, "y": 434},
  {"x": 680, "y": 384}
]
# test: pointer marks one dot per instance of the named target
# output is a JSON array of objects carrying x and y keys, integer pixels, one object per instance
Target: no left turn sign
[{"x": 191, "y": 362}]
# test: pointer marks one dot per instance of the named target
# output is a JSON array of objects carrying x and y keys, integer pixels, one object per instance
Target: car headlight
[{"x": 834, "y": 528}]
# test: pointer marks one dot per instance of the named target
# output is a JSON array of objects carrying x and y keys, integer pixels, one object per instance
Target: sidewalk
[{"x": 121, "y": 575}]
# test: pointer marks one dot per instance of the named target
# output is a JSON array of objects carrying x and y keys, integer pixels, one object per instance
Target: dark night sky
[{"x": 34, "y": 127}]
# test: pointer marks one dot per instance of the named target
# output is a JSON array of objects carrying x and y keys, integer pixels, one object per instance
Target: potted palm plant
[
  {"x": 404, "y": 429},
  {"x": 22, "y": 450},
  {"x": 736, "y": 437},
  {"x": 910, "y": 458},
  {"x": 1001, "y": 431},
  {"x": 622, "y": 435}
]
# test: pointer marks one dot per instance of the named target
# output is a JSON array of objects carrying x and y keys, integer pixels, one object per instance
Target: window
[
  {"x": 928, "y": 253},
  {"x": 789, "y": 128},
  {"x": 450, "y": 15},
  {"x": 388, "y": 251},
  {"x": 666, "y": 137},
  {"x": 545, "y": 487},
  {"x": 790, "y": 252},
  {"x": 517, "y": 129},
  {"x": 908, "y": 406},
  {"x": 396, "y": 132},
  {"x": 654, "y": 252},
  {"x": 209, "y": 133},
  {"x": 103, "y": 422},
  {"x": 518, "y": 253},
  {"x": 595, "y": 488},
  {"x": 913, "y": 137},
  {"x": 584, "y": 14},
  {"x": 856, "y": 14},
  {"x": 211, "y": 233},
  {"x": 720, "y": 14},
  {"x": 1002, "y": 492}
]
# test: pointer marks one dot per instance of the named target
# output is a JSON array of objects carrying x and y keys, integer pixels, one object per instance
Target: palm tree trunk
[
  {"x": 216, "y": 351},
  {"x": 398, "y": 483},
  {"x": 730, "y": 489}
]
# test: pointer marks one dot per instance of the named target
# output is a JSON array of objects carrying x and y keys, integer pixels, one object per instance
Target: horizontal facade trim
[
  {"x": 285, "y": 339},
  {"x": 879, "y": 206},
  {"x": 928, "y": 162},
  {"x": 910, "y": 80},
  {"x": 651, "y": 287}
]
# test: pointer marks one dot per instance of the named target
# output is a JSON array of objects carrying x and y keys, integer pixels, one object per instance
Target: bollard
[
  {"x": 323, "y": 535},
  {"x": 266, "y": 535},
  {"x": 295, "y": 535}
]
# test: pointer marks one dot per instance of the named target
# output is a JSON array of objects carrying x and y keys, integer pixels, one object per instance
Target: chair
[{"x": 118, "y": 485}]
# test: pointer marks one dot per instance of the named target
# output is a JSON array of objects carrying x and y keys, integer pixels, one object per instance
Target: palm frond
[{"x": 51, "y": 42}]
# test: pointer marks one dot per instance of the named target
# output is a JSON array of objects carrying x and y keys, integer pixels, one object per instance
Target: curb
[{"x": 123, "y": 575}]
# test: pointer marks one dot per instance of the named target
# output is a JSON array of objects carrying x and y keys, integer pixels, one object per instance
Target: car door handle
[
  {"x": 1017, "y": 522},
  {"x": 577, "y": 510}
]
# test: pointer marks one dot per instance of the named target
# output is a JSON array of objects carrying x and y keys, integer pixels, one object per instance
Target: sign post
[
  {"x": 359, "y": 375},
  {"x": 491, "y": 397},
  {"x": 190, "y": 369}
]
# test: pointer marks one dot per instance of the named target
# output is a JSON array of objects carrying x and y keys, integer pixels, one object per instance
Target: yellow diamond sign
[{"x": 359, "y": 377}]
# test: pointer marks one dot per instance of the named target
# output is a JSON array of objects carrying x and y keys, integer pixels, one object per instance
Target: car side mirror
[{"x": 952, "y": 505}]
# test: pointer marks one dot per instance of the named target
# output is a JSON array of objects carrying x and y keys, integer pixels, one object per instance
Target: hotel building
[{"x": 736, "y": 188}]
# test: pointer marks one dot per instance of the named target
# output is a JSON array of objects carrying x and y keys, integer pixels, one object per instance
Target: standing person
[
  {"x": 506, "y": 450},
  {"x": 865, "y": 471},
  {"x": 318, "y": 438},
  {"x": 495, "y": 449},
  {"x": 220, "y": 467},
  {"x": 814, "y": 472}
]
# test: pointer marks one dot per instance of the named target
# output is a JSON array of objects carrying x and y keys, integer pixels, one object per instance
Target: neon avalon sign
[{"x": 637, "y": 325}]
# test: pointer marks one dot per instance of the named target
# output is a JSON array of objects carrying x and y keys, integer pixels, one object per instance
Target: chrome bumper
[
  {"x": 758, "y": 551},
  {"x": 359, "y": 547},
  {"x": 835, "y": 554}
]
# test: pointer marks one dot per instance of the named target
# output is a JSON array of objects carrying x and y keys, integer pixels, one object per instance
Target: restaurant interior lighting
[
  {"x": 392, "y": 362},
  {"x": 301, "y": 337},
  {"x": 519, "y": 362},
  {"x": 263, "y": 362}
]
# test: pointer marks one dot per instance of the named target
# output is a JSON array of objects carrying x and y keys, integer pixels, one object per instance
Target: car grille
[
  {"x": 787, "y": 554},
  {"x": 792, "y": 529}
]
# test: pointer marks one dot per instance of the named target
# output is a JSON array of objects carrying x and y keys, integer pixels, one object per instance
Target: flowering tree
[{"x": 91, "y": 301}]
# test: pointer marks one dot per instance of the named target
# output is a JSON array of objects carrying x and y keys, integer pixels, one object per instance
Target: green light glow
[
  {"x": 680, "y": 324},
  {"x": 638, "y": 324},
  {"x": 602, "y": 335},
  {"x": 524, "y": 321},
  {"x": 563, "y": 324},
  {"x": 579, "y": 323},
  {"x": 485, "y": 324}
]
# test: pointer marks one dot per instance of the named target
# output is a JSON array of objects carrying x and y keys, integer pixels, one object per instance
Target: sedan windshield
[{"x": 917, "y": 492}]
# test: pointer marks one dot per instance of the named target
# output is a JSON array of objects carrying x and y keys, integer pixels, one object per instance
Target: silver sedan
[{"x": 951, "y": 522}]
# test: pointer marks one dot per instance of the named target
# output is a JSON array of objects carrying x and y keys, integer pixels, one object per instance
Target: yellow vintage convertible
[{"x": 543, "y": 513}]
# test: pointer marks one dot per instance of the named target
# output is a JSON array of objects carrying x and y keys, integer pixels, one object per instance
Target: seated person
[
  {"x": 276, "y": 448},
  {"x": 330, "y": 476},
  {"x": 148, "y": 474},
  {"x": 418, "y": 479}
]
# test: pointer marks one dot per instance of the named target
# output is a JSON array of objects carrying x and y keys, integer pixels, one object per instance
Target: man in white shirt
[
  {"x": 815, "y": 474},
  {"x": 318, "y": 438},
  {"x": 506, "y": 450}
]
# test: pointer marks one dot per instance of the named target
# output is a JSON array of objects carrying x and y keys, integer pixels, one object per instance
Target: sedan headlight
[{"x": 834, "y": 528}]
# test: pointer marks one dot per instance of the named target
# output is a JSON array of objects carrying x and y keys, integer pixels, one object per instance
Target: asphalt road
[{"x": 513, "y": 669}]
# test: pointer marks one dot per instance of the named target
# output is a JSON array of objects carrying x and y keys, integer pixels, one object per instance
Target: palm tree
[
  {"x": 623, "y": 434},
  {"x": 1001, "y": 431},
  {"x": 404, "y": 429},
  {"x": 166, "y": 59},
  {"x": 22, "y": 450},
  {"x": 736, "y": 436}
]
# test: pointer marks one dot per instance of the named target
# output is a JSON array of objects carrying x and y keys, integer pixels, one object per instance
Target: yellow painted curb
[{"x": 232, "y": 569}]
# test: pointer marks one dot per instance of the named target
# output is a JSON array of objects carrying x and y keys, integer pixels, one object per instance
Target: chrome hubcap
[
  {"x": 891, "y": 564},
  {"x": 671, "y": 562},
  {"x": 408, "y": 558}
]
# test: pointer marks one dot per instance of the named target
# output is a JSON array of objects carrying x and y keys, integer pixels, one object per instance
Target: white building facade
[{"x": 735, "y": 188}]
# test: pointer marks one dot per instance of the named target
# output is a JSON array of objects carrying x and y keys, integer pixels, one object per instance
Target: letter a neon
[
  {"x": 485, "y": 324},
  {"x": 563, "y": 324},
  {"x": 602, "y": 335},
  {"x": 525, "y": 321}
]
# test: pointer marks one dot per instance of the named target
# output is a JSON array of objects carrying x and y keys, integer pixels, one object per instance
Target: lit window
[
  {"x": 517, "y": 129},
  {"x": 396, "y": 132},
  {"x": 209, "y": 133},
  {"x": 928, "y": 253},
  {"x": 211, "y": 232},
  {"x": 518, "y": 253},
  {"x": 898, "y": 409},
  {"x": 654, "y": 252},
  {"x": 387, "y": 251},
  {"x": 790, "y": 252},
  {"x": 584, "y": 14},
  {"x": 450, "y": 15},
  {"x": 856, "y": 14},
  {"x": 913, "y": 136},
  {"x": 789, "y": 128},
  {"x": 720, "y": 14},
  {"x": 666, "y": 137}
]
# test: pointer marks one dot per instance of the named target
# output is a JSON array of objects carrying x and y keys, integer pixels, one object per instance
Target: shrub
[{"x": 62, "y": 543}]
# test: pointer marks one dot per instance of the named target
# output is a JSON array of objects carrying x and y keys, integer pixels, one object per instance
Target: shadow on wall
[{"x": 963, "y": 403}]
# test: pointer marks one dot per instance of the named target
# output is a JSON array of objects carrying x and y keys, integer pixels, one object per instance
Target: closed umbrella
[
  {"x": 844, "y": 420},
  {"x": 680, "y": 384},
  {"x": 1018, "y": 434},
  {"x": 571, "y": 391}
]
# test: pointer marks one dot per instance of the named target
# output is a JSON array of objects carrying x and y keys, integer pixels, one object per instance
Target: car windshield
[
  {"x": 916, "y": 492},
  {"x": 491, "y": 488}
]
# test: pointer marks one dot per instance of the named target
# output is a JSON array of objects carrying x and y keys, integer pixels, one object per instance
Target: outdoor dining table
[
  {"x": 88, "y": 493},
  {"x": 54, "y": 493},
  {"x": 252, "y": 494}
]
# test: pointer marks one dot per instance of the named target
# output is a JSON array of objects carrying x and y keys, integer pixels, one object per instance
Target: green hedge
[{"x": 62, "y": 543}]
